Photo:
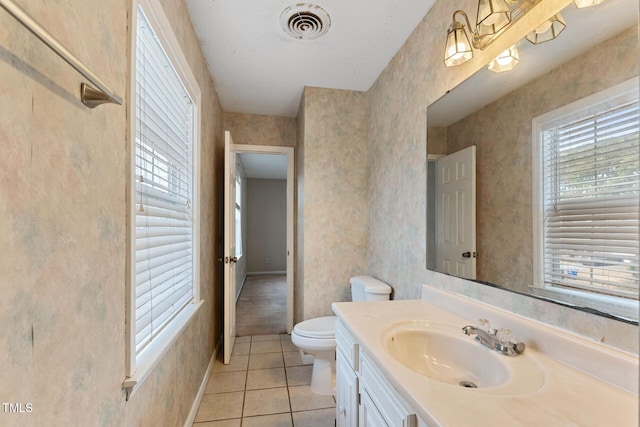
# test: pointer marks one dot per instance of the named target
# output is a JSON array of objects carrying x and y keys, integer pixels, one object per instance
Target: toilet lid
[{"x": 320, "y": 327}]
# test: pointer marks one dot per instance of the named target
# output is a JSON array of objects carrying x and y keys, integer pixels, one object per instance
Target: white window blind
[
  {"x": 239, "y": 184},
  {"x": 164, "y": 139},
  {"x": 591, "y": 197}
]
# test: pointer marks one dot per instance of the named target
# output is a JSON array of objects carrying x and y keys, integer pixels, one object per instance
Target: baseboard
[
  {"x": 255, "y": 273},
  {"x": 239, "y": 291},
  {"x": 196, "y": 403}
]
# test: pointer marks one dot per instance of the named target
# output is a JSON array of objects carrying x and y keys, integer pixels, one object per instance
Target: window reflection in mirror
[{"x": 592, "y": 54}]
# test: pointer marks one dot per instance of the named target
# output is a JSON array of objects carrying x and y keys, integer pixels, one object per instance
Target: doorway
[{"x": 264, "y": 271}]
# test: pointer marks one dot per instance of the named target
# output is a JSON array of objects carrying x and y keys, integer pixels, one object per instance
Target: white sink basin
[{"x": 443, "y": 353}]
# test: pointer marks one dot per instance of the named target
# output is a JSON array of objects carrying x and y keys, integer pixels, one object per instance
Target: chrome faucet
[{"x": 501, "y": 340}]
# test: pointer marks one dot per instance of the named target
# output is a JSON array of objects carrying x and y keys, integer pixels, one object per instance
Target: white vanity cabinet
[
  {"x": 346, "y": 378},
  {"x": 364, "y": 397},
  {"x": 389, "y": 405}
]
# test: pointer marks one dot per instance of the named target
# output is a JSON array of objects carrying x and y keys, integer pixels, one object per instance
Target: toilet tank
[{"x": 367, "y": 288}]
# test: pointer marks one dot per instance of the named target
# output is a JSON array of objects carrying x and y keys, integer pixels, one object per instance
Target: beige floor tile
[
  {"x": 240, "y": 349},
  {"x": 237, "y": 363},
  {"x": 266, "y": 378},
  {"x": 317, "y": 418},
  {"x": 266, "y": 347},
  {"x": 259, "y": 338},
  {"x": 303, "y": 399},
  {"x": 277, "y": 420},
  {"x": 244, "y": 339},
  {"x": 288, "y": 346},
  {"x": 292, "y": 358},
  {"x": 214, "y": 407},
  {"x": 266, "y": 360},
  {"x": 299, "y": 375},
  {"x": 285, "y": 338},
  {"x": 266, "y": 402},
  {"x": 223, "y": 423},
  {"x": 225, "y": 382}
]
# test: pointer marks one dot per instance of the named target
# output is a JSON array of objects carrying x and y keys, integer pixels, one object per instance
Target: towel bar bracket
[{"x": 90, "y": 97}]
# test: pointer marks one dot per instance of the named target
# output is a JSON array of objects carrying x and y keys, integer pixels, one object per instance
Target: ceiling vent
[{"x": 305, "y": 21}]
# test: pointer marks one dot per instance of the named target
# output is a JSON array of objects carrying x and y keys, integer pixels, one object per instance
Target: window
[
  {"x": 163, "y": 283},
  {"x": 589, "y": 166},
  {"x": 239, "y": 183}
]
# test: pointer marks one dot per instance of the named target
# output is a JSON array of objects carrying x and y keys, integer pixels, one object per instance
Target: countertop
[{"x": 561, "y": 396}]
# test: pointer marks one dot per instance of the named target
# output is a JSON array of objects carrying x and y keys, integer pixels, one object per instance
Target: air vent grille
[{"x": 305, "y": 21}]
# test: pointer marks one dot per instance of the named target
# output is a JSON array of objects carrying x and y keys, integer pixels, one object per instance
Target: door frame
[{"x": 289, "y": 153}]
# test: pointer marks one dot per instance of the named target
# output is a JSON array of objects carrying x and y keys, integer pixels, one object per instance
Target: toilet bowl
[{"x": 315, "y": 338}]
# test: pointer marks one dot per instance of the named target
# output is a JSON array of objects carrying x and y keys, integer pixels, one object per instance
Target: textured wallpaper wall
[
  {"x": 255, "y": 129},
  {"x": 63, "y": 216},
  {"x": 397, "y": 141},
  {"x": 298, "y": 285},
  {"x": 334, "y": 205}
]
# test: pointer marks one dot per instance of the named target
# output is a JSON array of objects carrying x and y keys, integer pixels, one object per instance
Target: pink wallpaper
[{"x": 63, "y": 227}]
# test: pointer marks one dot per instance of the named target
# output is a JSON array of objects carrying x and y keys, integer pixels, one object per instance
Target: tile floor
[{"x": 265, "y": 385}]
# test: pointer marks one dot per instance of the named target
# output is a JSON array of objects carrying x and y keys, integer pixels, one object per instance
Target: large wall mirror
[{"x": 494, "y": 111}]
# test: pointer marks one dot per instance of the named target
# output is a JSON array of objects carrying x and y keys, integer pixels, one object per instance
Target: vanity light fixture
[
  {"x": 587, "y": 3},
  {"x": 494, "y": 16},
  {"x": 506, "y": 61},
  {"x": 549, "y": 30}
]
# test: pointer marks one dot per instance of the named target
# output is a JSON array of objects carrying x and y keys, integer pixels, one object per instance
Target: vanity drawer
[
  {"x": 348, "y": 345},
  {"x": 393, "y": 408}
]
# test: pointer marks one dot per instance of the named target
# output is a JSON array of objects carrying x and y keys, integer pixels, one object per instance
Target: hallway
[{"x": 262, "y": 306}]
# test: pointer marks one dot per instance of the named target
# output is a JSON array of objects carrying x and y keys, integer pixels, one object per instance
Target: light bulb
[
  {"x": 456, "y": 52},
  {"x": 504, "y": 58},
  {"x": 506, "y": 61}
]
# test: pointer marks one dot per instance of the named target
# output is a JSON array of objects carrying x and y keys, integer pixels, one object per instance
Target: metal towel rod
[{"x": 89, "y": 96}]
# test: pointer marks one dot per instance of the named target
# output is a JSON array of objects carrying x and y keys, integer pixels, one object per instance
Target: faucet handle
[
  {"x": 506, "y": 336},
  {"x": 509, "y": 343},
  {"x": 486, "y": 326}
]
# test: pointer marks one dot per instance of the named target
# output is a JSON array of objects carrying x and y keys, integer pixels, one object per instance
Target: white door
[
  {"x": 230, "y": 258},
  {"x": 456, "y": 214}
]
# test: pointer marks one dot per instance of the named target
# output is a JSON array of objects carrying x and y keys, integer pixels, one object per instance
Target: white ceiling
[{"x": 259, "y": 69}]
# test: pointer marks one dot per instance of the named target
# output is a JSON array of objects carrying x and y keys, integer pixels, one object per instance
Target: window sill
[
  {"x": 620, "y": 307},
  {"x": 151, "y": 355}
]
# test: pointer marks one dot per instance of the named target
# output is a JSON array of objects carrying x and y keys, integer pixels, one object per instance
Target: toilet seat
[{"x": 319, "y": 328}]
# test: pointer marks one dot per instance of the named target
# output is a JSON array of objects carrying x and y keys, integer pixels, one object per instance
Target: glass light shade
[
  {"x": 587, "y": 3},
  {"x": 549, "y": 30},
  {"x": 506, "y": 61},
  {"x": 458, "y": 49},
  {"x": 493, "y": 15}
]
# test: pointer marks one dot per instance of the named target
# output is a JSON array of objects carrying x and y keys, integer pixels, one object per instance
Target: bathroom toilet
[{"x": 316, "y": 337}]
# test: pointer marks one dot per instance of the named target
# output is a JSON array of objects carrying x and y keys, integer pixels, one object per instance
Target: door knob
[
  {"x": 234, "y": 259},
  {"x": 466, "y": 255}
]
